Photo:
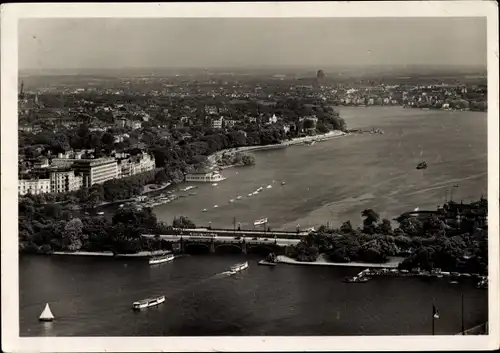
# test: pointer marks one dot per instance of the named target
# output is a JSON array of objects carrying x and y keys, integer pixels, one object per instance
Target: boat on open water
[
  {"x": 146, "y": 303},
  {"x": 46, "y": 314},
  {"x": 239, "y": 267},
  {"x": 161, "y": 259}
]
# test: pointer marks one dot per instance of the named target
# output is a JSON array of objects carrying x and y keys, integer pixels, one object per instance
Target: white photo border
[{"x": 11, "y": 13}]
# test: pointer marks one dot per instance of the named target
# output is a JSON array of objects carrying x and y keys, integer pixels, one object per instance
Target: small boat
[
  {"x": 269, "y": 186},
  {"x": 216, "y": 206},
  {"x": 204, "y": 210},
  {"x": 161, "y": 259},
  {"x": 422, "y": 165},
  {"x": 215, "y": 184},
  {"x": 250, "y": 194},
  {"x": 46, "y": 314},
  {"x": 121, "y": 205},
  {"x": 232, "y": 200},
  {"x": 239, "y": 197},
  {"x": 260, "y": 221},
  {"x": 239, "y": 267},
  {"x": 100, "y": 213},
  {"x": 356, "y": 279},
  {"x": 259, "y": 189},
  {"x": 266, "y": 263},
  {"x": 146, "y": 303},
  {"x": 283, "y": 183}
]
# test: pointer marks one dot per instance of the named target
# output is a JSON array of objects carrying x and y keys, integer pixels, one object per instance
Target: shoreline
[
  {"x": 295, "y": 141},
  {"x": 140, "y": 254},
  {"x": 321, "y": 261}
]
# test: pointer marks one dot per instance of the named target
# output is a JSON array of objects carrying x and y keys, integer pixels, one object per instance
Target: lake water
[
  {"x": 332, "y": 181},
  {"x": 93, "y": 297}
]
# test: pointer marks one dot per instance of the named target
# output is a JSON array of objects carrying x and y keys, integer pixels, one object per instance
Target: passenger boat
[
  {"x": 46, "y": 314},
  {"x": 260, "y": 221},
  {"x": 146, "y": 303},
  {"x": 161, "y": 259},
  {"x": 239, "y": 267}
]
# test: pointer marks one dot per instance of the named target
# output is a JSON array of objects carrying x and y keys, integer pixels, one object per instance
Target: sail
[{"x": 46, "y": 314}]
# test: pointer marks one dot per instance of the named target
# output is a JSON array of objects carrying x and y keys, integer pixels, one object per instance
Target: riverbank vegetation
[
  {"x": 454, "y": 238},
  {"x": 44, "y": 228},
  {"x": 236, "y": 159},
  {"x": 434, "y": 240}
]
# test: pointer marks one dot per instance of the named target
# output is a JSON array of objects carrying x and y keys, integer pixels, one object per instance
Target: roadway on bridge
[{"x": 226, "y": 239}]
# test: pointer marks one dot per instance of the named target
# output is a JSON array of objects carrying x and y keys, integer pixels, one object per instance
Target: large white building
[
  {"x": 217, "y": 123},
  {"x": 64, "y": 180},
  {"x": 135, "y": 165},
  {"x": 96, "y": 171},
  {"x": 34, "y": 186}
]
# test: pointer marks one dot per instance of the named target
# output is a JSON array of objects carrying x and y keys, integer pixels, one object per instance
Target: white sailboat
[{"x": 46, "y": 314}]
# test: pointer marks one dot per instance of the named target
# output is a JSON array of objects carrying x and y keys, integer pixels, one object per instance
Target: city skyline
[{"x": 47, "y": 44}]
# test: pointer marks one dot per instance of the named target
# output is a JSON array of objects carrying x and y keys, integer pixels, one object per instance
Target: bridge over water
[{"x": 241, "y": 239}]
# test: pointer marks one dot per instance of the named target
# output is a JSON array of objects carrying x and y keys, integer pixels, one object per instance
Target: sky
[{"x": 250, "y": 42}]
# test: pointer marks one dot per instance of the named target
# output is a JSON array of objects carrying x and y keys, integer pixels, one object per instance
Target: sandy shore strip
[
  {"x": 321, "y": 261},
  {"x": 110, "y": 254}
]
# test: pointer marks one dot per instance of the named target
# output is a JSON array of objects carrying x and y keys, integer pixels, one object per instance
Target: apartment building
[
  {"x": 34, "y": 186},
  {"x": 64, "y": 180},
  {"x": 96, "y": 171}
]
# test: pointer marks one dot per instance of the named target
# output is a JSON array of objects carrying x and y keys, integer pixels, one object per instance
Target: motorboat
[
  {"x": 232, "y": 200},
  {"x": 161, "y": 259},
  {"x": 216, "y": 206},
  {"x": 100, "y": 213},
  {"x": 46, "y": 314},
  {"x": 204, "y": 210},
  {"x": 269, "y": 187},
  {"x": 260, "y": 221},
  {"x": 239, "y": 267},
  {"x": 215, "y": 184},
  {"x": 146, "y": 303},
  {"x": 239, "y": 197},
  {"x": 422, "y": 165}
]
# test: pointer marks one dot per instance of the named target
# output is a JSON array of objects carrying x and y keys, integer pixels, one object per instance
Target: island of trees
[{"x": 454, "y": 238}]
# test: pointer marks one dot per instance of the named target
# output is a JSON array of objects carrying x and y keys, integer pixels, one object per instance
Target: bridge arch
[
  {"x": 232, "y": 246},
  {"x": 197, "y": 247},
  {"x": 261, "y": 248}
]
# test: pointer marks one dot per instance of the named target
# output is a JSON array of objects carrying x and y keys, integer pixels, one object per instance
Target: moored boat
[
  {"x": 46, "y": 314},
  {"x": 422, "y": 165},
  {"x": 161, "y": 259},
  {"x": 239, "y": 267},
  {"x": 146, "y": 303},
  {"x": 356, "y": 279}
]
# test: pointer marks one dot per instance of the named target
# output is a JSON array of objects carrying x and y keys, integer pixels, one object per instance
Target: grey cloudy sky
[{"x": 230, "y": 42}]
